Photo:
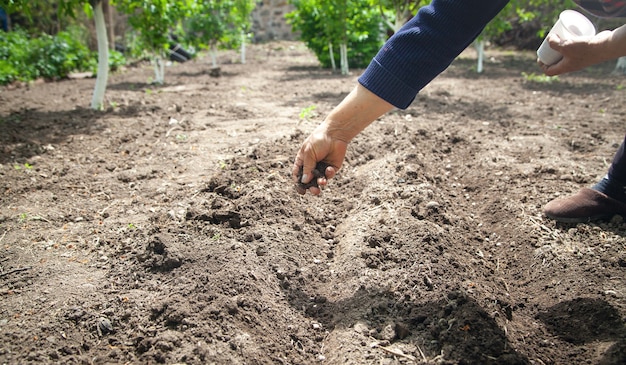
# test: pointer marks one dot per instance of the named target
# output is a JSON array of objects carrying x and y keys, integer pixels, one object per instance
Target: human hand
[
  {"x": 577, "y": 53},
  {"x": 319, "y": 150}
]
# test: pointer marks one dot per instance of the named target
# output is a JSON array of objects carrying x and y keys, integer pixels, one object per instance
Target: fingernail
[{"x": 304, "y": 178}]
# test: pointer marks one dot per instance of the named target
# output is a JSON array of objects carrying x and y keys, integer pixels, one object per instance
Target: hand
[
  {"x": 329, "y": 141},
  {"x": 319, "y": 146},
  {"x": 578, "y": 53}
]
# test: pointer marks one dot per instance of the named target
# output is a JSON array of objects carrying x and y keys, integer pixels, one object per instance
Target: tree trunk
[
  {"x": 108, "y": 12},
  {"x": 331, "y": 53},
  {"x": 479, "y": 44},
  {"x": 243, "y": 47},
  {"x": 213, "y": 52},
  {"x": 620, "y": 67},
  {"x": 159, "y": 70},
  {"x": 402, "y": 15},
  {"x": 343, "y": 52},
  {"x": 97, "y": 101}
]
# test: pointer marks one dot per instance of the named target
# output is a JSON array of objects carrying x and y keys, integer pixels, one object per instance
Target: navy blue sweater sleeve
[{"x": 425, "y": 47}]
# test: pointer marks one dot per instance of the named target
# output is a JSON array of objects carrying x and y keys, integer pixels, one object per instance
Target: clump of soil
[{"x": 318, "y": 172}]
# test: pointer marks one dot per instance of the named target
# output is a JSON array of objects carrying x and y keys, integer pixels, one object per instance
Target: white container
[{"x": 571, "y": 25}]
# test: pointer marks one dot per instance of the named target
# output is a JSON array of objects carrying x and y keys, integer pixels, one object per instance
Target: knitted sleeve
[{"x": 425, "y": 47}]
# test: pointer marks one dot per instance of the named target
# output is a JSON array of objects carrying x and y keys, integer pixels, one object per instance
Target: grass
[{"x": 540, "y": 79}]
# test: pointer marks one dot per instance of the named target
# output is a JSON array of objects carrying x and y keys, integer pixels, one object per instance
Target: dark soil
[{"x": 166, "y": 229}]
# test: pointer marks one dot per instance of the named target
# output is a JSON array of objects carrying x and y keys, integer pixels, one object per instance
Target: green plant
[
  {"x": 351, "y": 24},
  {"x": 116, "y": 60},
  {"x": 542, "y": 79},
  {"x": 27, "y": 166},
  {"x": 23, "y": 217},
  {"x": 23, "y": 58},
  {"x": 219, "y": 23},
  {"x": 153, "y": 20},
  {"x": 307, "y": 112}
]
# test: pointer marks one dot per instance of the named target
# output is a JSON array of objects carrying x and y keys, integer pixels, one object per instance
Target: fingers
[
  {"x": 314, "y": 179},
  {"x": 317, "y": 161},
  {"x": 555, "y": 42},
  {"x": 301, "y": 172},
  {"x": 330, "y": 172}
]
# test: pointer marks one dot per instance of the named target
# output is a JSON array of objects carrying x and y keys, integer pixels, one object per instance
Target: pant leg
[{"x": 617, "y": 171}]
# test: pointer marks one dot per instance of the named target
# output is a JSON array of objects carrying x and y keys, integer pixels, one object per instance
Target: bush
[
  {"x": 23, "y": 58},
  {"x": 362, "y": 24}
]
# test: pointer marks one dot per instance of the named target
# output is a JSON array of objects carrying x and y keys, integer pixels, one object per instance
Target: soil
[{"x": 166, "y": 229}]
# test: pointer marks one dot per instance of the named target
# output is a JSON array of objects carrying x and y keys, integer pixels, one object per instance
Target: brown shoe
[{"x": 585, "y": 206}]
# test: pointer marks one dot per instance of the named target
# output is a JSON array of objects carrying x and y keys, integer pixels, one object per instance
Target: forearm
[
  {"x": 615, "y": 46},
  {"x": 358, "y": 110}
]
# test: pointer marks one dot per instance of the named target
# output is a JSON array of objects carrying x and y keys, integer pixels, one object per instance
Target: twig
[
  {"x": 422, "y": 353},
  {"x": 17, "y": 269},
  {"x": 39, "y": 218},
  {"x": 396, "y": 352},
  {"x": 171, "y": 130}
]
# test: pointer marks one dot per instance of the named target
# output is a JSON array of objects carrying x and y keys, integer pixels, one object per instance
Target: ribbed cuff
[{"x": 387, "y": 86}]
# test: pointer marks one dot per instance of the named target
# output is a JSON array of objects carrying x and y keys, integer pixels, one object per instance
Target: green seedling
[
  {"x": 223, "y": 165},
  {"x": 26, "y": 166},
  {"x": 541, "y": 79},
  {"x": 181, "y": 137},
  {"x": 307, "y": 112},
  {"x": 131, "y": 226},
  {"x": 23, "y": 217}
]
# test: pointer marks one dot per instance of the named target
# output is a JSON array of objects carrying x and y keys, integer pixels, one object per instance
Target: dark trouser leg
[
  {"x": 617, "y": 171},
  {"x": 615, "y": 181}
]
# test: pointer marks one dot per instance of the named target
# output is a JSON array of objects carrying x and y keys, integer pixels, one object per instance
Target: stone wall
[{"x": 269, "y": 23}]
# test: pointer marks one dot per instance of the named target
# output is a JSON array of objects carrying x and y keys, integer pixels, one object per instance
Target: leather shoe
[{"x": 585, "y": 206}]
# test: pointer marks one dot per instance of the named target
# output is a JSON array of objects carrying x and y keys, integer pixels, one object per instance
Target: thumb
[
  {"x": 308, "y": 164},
  {"x": 555, "y": 42}
]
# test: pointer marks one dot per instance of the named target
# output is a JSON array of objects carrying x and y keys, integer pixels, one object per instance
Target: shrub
[
  {"x": 362, "y": 25},
  {"x": 23, "y": 58}
]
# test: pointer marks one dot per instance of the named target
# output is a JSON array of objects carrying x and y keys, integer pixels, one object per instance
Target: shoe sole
[{"x": 606, "y": 217}]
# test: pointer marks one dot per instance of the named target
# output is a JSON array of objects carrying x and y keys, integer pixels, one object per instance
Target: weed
[
  {"x": 216, "y": 237},
  {"x": 181, "y": 137},
  {"x": 223, "y": 165},
  {"x": 307, "y": 112},
  {"x": 131, "y": 226},
  {"x": 541, "y": 79},
  {"x": 26, "y": 166},
  {"x": 23, "y": 217}
]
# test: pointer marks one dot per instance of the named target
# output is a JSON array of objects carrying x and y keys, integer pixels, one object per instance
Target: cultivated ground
[{"x": 166, "y": 229}]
